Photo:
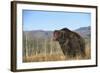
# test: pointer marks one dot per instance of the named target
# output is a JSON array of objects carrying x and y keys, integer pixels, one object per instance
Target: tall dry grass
[
  {"x": 56, "y": 57},
  {"x": 50, "y": 51}
]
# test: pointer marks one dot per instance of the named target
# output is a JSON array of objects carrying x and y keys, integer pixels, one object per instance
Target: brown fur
[{"x": 72, "y": 44}]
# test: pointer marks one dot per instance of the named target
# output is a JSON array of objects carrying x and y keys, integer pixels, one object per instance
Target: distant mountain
[
  {"x": 83, "y": 31},
  {"x": 39, "y": 34}
]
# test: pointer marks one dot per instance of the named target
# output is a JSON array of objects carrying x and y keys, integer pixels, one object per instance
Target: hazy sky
[{"x": 46, "y": 20}]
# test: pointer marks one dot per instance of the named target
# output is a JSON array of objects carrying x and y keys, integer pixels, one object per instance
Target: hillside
[
  {"x": 39, "y": 46},
  {"x": 83, "y": 31}
]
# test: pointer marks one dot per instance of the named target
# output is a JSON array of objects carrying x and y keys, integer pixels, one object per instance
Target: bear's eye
[{"x": 62, "y": 34}]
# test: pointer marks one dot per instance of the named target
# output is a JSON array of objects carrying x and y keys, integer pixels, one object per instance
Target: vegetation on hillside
[{"x": 38, "y": 48}]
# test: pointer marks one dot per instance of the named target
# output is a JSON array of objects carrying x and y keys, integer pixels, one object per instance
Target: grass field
[{"x": 49, "y": 51}]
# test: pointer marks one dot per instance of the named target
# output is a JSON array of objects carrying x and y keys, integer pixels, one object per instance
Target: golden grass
[
  {"x": 39, "y": 58},
  {"x": 55, "y": 57}
]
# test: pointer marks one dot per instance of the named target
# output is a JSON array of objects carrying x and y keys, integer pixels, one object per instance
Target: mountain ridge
[{"x": 83, "y": 31}]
